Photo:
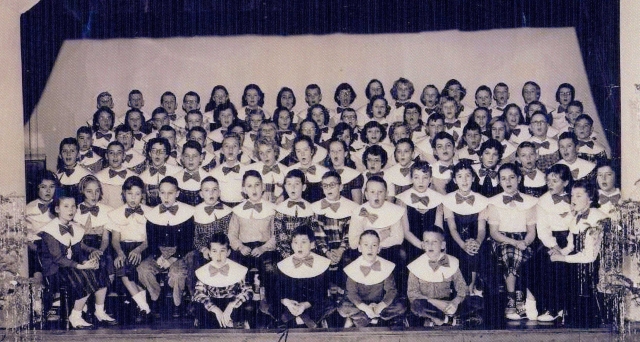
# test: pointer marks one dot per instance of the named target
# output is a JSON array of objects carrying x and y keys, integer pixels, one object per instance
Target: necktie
[
  {"x": 326, "y": 204},
  {"x": 106, "y": 136},
  {"x": 249, "y": 205},
  {"x": 484, "y": 172},
  {"x": 172, "y": 209},
  {"x": 210, "y": 208},
  {"x": 435, "y": 264},
  {"x": 589, "y": 144},
  {"x": 508, "y": 199},
  {"x": 422, "y": 199},
  {"x": 544, "y": 144},
  {"x": 65, "y": 229},
  {"x": 130, "y": 211},
  {"x": 273, "y": 168},
  {"x": 297, "y": 262},
  {"x": 560, "y": 198},
  {"x": 369, "y": 174},
  {"x": 122, "y": 173},
  {"x": 161, "y": 170},
  {"x": 471, "y": 151},
  {"x": 87, "y": 209},
  {"x": 531, "y": 174},
  {"x": 253, "y": 136},
  {"x": 224, "y": 270},
  {"x": 450, "y": 125},
  {"x": 300, "y": 204},
  {"x": 195, "y": 176},
  {"x": 370, "y": 216},
  {"x": 310, "y": 170},
  {"x": 226, "y": 170},
  {"x": 43, "y": 207},
  {"x": 443, "y": 168},
  {"x": 405, "y": 170},
  {"x": 614, "y": 199},
  {"x": 469, "y": 199},
  {"x": 367, "y": 269}
]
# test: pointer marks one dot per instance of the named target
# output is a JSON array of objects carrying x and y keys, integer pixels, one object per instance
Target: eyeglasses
[{"x": 331, "y": 185}]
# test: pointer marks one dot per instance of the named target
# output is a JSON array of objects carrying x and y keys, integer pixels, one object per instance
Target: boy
[
  {"x": 88, "y": 158},
  {"x": 399, "y": 175},
  {"x": 312, "y": 96},
  {"x": 136, "y": 101},
  {"x": 452, "y": 122},
  {"x": 490, "y": 156},
  {"x": 412, "y": 118},
  {"x": 371, "y": 288},
  {"x": 533, "y": 180},
  {"x": 132, "y": 160},
  {"x": 443, "y": 147},
  {"x": 209, "y": 160},
  {"x": 267, "y": 152},
  {"x": 159, "y": 118},
  {"x": 167, "y": 132},
  {"x": 580, "y": 168},
  {"x": 471, "y": 140},
  {"x": 401, "y": 91},
  {"x": 191, "y": 175},
  {"x": 210, "y": 217},
  {"x": 435, "y": 124},
  {"x": 157, "y": 155},
  {"x": 608, "y": 194},
  {"x": 589, "y": 148},
  {"x": 431, "y": 279},
  {"x": 483, "y": 96},
  {"x": 430, "y": 98},
  {"x": 501, "y": 95},
  {"x": 229, "y": 172},
  {"x": 547, "y": 147},
  {"x": 113, "y": 176},
  {"x": 375, "y": 159},
  {"x": 221, "y": 289},
  {"x": 302, "y": 283}
]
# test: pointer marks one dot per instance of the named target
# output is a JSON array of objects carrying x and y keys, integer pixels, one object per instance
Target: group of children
[{"x": 293, "y": 216}]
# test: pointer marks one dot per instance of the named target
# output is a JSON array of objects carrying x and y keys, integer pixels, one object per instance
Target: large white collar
[
  {"x": 479, "y": 203},
  {"x": 594, "y": 216},
  {"x": 75, "y": 177},
  {"x": 346, "y": 208},
  {"x": 348, "y": 174},
  {"x": 103, "y": 176},
  {"x": 435, "y": 198},
  {"x": 148, "y": 179},
  {"x": 201, "y": 216},
  {"x": 421, "y": 269},
  {"x": 526, "y": 204},
  {"x": 53, "y": 228},
  {"x": 315, "y": 178},
  {"x": 291, "y": 211},
  {"x": 581, "y": 166},
  {"x": 396, "y": 177},
  {"x": 100, "y": 220},
  {"x": 268, "y": 209},
  {"x": 320, "y": 265},
  {"x": 388, "y": 214},
  {"x": 237, "y": 273},
  {"x": 118, "y": 217},
  {"x": 546, "y": 203},
  {"x": 191, "y": 184},
  {"x": 184, "y": 213},
  {"x": 354, "y": 272}
]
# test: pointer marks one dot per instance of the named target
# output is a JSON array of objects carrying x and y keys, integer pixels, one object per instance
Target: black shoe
[
  {"x": 176, "y": 312},
  {"x": 142, "y": 317}
]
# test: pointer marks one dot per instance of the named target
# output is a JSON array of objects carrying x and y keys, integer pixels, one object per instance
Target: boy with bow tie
[
  {"x": 371, "y": 288},
  {"x": 113, "y": 176},
  {"x": 490, "y": 156},
  {"x": 229, "y": 172},
  {"x": 533, "y": 180},
  {"x": 220, "y": 289},
  {"x": 190, "y": 177},
  {"x": 88, "y": 156}
]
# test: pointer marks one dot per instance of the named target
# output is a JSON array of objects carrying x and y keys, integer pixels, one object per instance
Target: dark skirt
[
  {"x": 106, "y": 260},
  {"x": 79, "y": 283},
  {"x": 128, "y": 269}
]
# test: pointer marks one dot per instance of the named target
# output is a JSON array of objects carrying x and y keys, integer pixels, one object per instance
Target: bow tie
[
  {"x": 515, "y": 131},
  {"x": 435, "y": 264},
  {"x": 130, "y": 211},
  {"x": 575, "y": 173},
  {"x": 122, "y": 173},
  {"x": 87, "y": 209},
  {"x": 443, "y": 168},
  {"x": 589, "y": 144},
  {"x": 531, "y": 174},
  {"x": 300, "y": 204},
  {"x": 65, "y": 229},
  {"x": 68, "y": 172},
  {"x": 226, "y": 170},
  {"x": 210, "y": 208},
  {"x": 405, "y": 170},
  {"x": 253, "y": 136},
  {"x": 154, "y": 170},
  {"x": 324, "y": 129},
  {"x": 311, "y": 169},
  {"x": 128, "y": 158},
  {"x": 560, "y": 198},
  {"x": 450, "y": 125},
  {"x": 561, "y": 110},
  {"x": 430, "y": 110},
  {"x": 369, "y": 174},
  {"x": 249, "y": 205},
  {"x": 508, "y": 199},
  {"x": 86, "y": 155},
  {"x": 614, "y": 199},
  {"x": 173, "y": 154},
  {"x": 372, "y": 217},
  {"x": 172, "y": 209},
  {"x": 400, "y": 104},
  {"x": 422, "y": 199},
  {"x": 173, "y": 117},
  {"x": 224, "y": 270},
  {"x": 274, "y": 168},
  {"x": 43, "y": 207},
  {"x": 367, "y": 269},
  {"x": 297, "y": 262},
  {"x": 137, "y": 136},
  {"x": 484, "y": 172},
  {"x": 583, "y": 216},
  {"x": 472, "y": 152},
  {"x": 544, "y": 145},
  {"x": 195, "y": 176},
  {"x": 106, "y": 136},
  {"x": 469, "y": 199},
  {"x": 326, "y": 204}
]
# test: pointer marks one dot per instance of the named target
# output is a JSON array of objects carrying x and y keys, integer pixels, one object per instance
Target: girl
[
  {"x": 69, "y": 171},
  {"x": 283, "y": 118},
  {"x": 349, "y": 118},
  {"x": 229, "y": 173},
  {"x": 452, "y": 122},
  {"x": 320, "y": 115},
  {"x": 397, "y": 131},
  {"x": 37, "y": 215},
  {"x": 339, "y": 160},
  {"x": 286, "y": 99},
  {"x": 305, "y": 152},
  {"x": 498, "y": 131},
  {"x": 310, "y": 129},
  {"x": 565, "y": 94},
  {"x": 430, "y": 99},
  {"x": 533, "y": 180},
  {"x": 63, "y": 261},
  {"x": 157, "y": 155},
  {"x": 373, "y": 134},
  {"x": 255, "y": 118},
  {"x": 267, "y": 152},
  {"x": 374, "y": 88},
  {"x": 225, "y": 115},
  {"x": 482, "y": 116},
  {"x": 252, "y": 99},
  {"x": 219, "y": 96},
  {"x": 415, "y": 123},
  {"x": 453, "y": 88},
  {"x": 103, "y": 122},
  {"x": 399, "y": 175},
  {"x": 401, "y": 91},
  {"x": 490, "y": 156},
  {"x": 344, "y": 97},
  {"x": 378, "y": 109},
  {"x": 516, "y": 129},
  {"x": 130, "y": 242}
]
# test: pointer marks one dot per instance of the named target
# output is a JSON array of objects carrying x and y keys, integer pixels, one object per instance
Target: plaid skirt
[
  {"x": 509, "y": 257},
  {"x": 80, "y": 283}
]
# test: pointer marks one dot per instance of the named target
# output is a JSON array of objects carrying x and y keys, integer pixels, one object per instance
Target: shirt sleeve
[
  {"x": 234, "y": 232},
  {"x": 591, "y": 248},
  {"x": 460, "y": 285},
  {"x": 413, "y": 288},
  {"x": 543, "y": 228},
  {"x": 355, "y": 229},
  {"x": 270, "y": 245},
  {"x": 390, "y": 290},
  {"x": 52, "y": 246},
  {"x": 201, "y": 295},
  {"x": 352, "y": 292},
  {"x": 531, "y": 216},
  {"x": 493, "y": 217}
]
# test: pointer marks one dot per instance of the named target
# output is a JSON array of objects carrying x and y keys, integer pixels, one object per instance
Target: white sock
[
  {"x": 75, "y": 314},
  {"x": 100, "y": 308},
  {"x": 141, "y": 299}
]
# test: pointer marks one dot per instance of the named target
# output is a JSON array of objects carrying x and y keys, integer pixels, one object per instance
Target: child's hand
[
  {"x": 520, "y": 245},
  {"x": 119, "y": 261},
  {"x": 256, "y": 252},
  {"x": 377, "y": 308},
  {"x": 555, "y": 250},
  {"x": 334, "y": 256},
  {"x": 134, "y": 257},
  {"x": 205, "y": 252},
  {"x": 451, "y": 308},
  {"x": 90, "y": 264},
  {"x": 227, "y": 314},
  {"x": 245, "y": 250},
  {"x": 219, "y": 316},
  {"x": 368, "y": 310},
  {"x": 558, "y": 257},
  {"x": 95, "y": 254}
]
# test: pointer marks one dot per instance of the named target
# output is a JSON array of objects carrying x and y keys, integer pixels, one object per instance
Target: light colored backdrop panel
[{"x": 85, "y": 68}]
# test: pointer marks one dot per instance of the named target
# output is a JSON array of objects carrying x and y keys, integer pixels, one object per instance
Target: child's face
[
  {"x": 444, "y": 150},
  {"x": 284, "y": 120},
  {"x": 294, "y": 188},
  {"x": 580, "y": 200},
  {"x": 527, "y": 156},
  {"x": 190, "y": 103},
  {"x": 126, "y": 139},
  {"x": 539, "y": 126},
  {"x": 337, "y": 153},
  {"x": 344, "y": 97},
  {"x": 240, "y": 132},
  {"x": 379, "y": 109},
  {"x": 572, "y": 113},
  {"x": 606, "y": 178},
  {"x": 434, "y": 243},
  {"x": 69, "y": 154},
  {"x": 449, "y": 109},
  {"x": 169, "y": 104},
  {"x": 312, "y": 96},
  {"x": 404, "y": 154},
  {"x": 564, "y": 95},
  {"x": 268, "y": 130},
  {"x": 226, "y": 118},
  {"x": 421, "y": 180},
  {"x": 509, "y": 181},
  {"x": 66, "y": 209},
  {"x": 369, "y": 247},
  {"x": 255, "y": 121},
  {"x": 399, "y": 133},
  {"x": 252, "y": 187},
  {"x": 375, "y": 88},
  {"x": 200, "y": 137},
  {"x": 481, "y": 118},
  {"x": 46, "y": 189},
  {"x": 302, "y": 246},
  {"x": 170, "y": 136},
  {"x": 402, "y": 90},
  {"x": 346, "y": 137},
  {"x": 220, "y": 97},
  {"x": 158, "y": 154},
  {"x": 568, "y": 150},
  {"x": 230, "y": 149},
  {"x": 133, "y": 196},
  {"x": 210, "y": 192},
  {"x": 160, "y": 119},
  {"x": 136, "y": 101},
  {"x": 252, "y": 97},
  {"x": 104, "y": 121},
  {"x": 309, "y": 129},
  {"x": 350, "y": 118},
  {"x": 430, "y": 97},
  {"x": 513, "y": 117},
  {"x": 317, "y": 115},
  {"x": 374, "y": 135},
  {"x": 501, "y": 95},
  {"x": 533, "y": 108},
  {"x": 85, "y": 140},
  {"x": 455, "y": 91},
  {"x": 115, "y": 156},
  {"x": 374, "y": 163},
  {"x": 498, "y": 131},
  {"x": 105, "y": 101},
  {"x": 191, "y": 159},
  {"x": 135, "y": 121},
  {"x": 464, "y": 180},
  {"x": 331, "y": 188},
  {"x": 435, "y": 127},
  {"x": 412, "y": 116},
  {"x": 193, "y": 120},
  {"x": 219, "y": 254},
  {"x": 555, "y": 184},
  {"x": 266, "y": 154},
  {"x": 489, "y": 158},
  {"x": 168, "y": 193},
  {"x": 376, "y": 194},
  {"x": 530, "y": 93},
  {"x": 473, "y": 138},
  {"x": 303, "y": 152},
  {"x": 286, "y": 99},
  {"x": 483, "y": 98},
  {"x": 91, "y": 193}
]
